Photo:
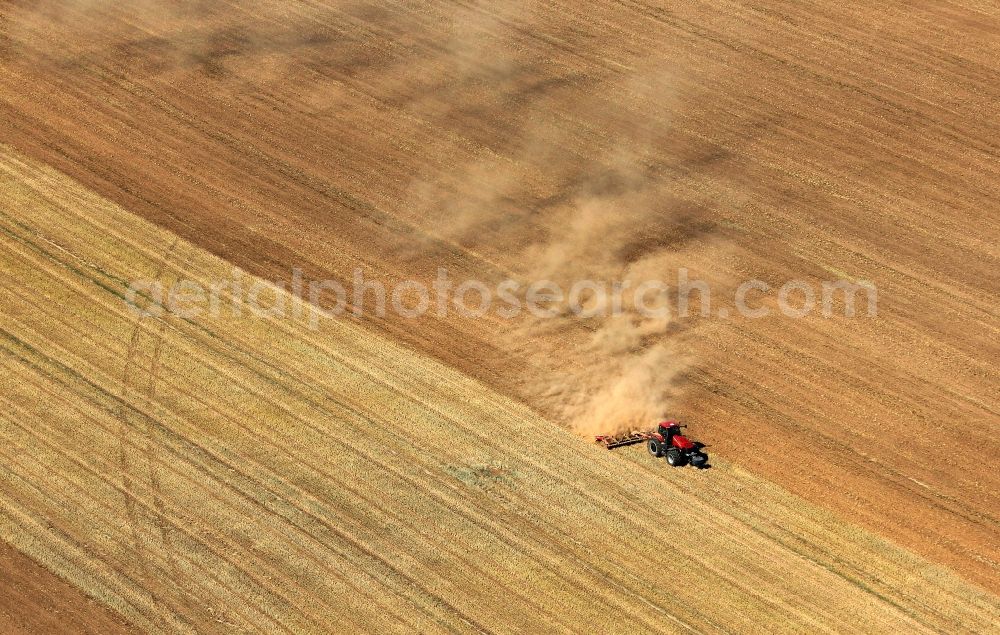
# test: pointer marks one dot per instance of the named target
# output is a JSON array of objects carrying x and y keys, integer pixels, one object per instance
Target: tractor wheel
[
  {"x": 655, "y": 448},
  {"x": 699, "y": 459},
  {"x": 674, "y": 457}
]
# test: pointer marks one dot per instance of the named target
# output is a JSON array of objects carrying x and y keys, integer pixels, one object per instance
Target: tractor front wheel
[{"x": 655, "y": 448}]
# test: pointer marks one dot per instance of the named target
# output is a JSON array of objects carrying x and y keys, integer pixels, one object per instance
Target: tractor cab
[
  {"x": 668, "y": 429},
  {"x": 671, "y": 431}
]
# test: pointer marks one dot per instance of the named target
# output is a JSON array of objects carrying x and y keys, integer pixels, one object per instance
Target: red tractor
[{"x": 666, "y": 440}]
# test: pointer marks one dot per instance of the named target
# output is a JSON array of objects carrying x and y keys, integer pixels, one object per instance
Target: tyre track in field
[
  {"x": 148, "y": 439},
  {"x": 128, "y": 436}
]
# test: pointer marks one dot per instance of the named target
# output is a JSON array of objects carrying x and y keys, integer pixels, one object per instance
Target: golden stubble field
[
  {"x": 526, "y": 140},
  {"x": 248, "y": 474}
]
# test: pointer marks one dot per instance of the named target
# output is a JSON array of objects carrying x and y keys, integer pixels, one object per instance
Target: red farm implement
[{"x": 666, "y": 440}]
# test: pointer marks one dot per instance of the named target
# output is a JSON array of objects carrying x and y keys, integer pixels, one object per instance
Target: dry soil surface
[{"x": 560, "y": 140}]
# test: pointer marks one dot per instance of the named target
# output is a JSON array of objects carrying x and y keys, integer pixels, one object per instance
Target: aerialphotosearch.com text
[{"x": 315, "y": 300}]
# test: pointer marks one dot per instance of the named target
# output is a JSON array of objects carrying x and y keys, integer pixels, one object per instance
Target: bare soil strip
[{"x": 34, "y": 601}]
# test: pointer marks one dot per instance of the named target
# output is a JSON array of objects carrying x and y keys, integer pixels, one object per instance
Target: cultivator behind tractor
[{"x": 666, "y": 440}]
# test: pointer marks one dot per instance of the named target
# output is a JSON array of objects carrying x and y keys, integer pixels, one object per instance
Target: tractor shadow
[{"x": 707, "y": 465}]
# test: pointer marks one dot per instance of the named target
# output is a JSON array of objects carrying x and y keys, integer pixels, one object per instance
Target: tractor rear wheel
[
  {"x": 674, "y": 457},
  {"x": 655, "y": 448}
]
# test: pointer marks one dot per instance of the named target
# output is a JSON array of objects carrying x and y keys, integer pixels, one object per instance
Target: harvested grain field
[{"x": 223, "y": 473}]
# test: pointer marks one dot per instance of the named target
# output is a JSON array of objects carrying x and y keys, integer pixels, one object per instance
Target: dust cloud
[{"x": 566, "y": 203}]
